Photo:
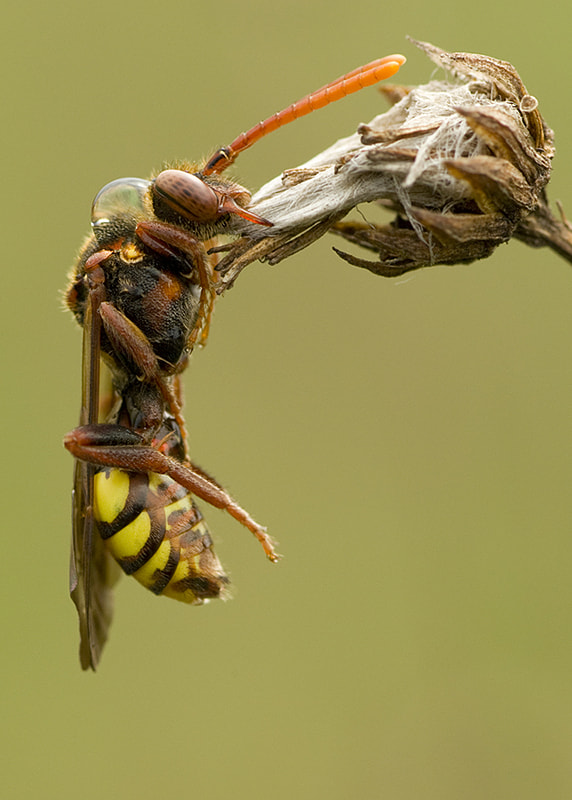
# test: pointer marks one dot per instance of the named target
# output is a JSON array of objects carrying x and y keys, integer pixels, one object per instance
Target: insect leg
[
  {"x": 119, "y": 447},
  {"x": 164, "y": 239},
  {"x": 133, "y": 348}
]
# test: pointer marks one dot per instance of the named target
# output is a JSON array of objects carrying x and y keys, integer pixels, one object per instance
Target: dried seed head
[{"x": 463, "y": 165}]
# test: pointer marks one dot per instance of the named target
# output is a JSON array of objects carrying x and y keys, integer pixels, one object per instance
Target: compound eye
[
  {"x": 187, "y": 194},
  {"x": 120, "y": 198}
]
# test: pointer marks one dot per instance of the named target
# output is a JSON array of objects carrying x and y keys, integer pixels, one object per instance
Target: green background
[{"x": 408, "y": 442}]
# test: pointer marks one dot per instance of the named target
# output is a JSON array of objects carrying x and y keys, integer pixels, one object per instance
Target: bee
[{"x": 143, "y": 290}]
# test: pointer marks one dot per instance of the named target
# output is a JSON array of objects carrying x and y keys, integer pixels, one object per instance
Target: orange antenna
[{"x": 349, "y": 83}]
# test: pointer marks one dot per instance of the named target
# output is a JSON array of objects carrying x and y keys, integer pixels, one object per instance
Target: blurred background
[{"x": 407, "y": 442}]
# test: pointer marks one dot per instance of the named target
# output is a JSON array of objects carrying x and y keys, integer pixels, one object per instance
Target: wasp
[{"x": 143, "y": 290}]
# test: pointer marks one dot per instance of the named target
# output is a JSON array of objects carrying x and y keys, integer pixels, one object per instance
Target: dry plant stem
[
  {"x": 462, "y": 166},
  {"x": 543, "y": 229}
]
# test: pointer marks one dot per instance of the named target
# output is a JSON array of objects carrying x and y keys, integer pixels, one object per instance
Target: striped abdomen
[{"x": 156, "y": 533}]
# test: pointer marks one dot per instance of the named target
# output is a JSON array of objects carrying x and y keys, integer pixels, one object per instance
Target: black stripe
[
  {"x": 193, "y": 542},
  {"x": 131, "y": 564},
  {"x": 165, "y": 493},
  {"x": 202, "y": 586},
  {"x": 163, "y": 576},
  {"x": 184, "y": 522},
  {"x": 135, "y": 503}
]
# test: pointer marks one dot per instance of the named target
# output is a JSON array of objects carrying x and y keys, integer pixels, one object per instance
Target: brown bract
[{"x": 461, "y": 165}]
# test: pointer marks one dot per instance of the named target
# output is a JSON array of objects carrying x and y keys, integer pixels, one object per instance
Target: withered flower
[{"x": 462, "y": 165}]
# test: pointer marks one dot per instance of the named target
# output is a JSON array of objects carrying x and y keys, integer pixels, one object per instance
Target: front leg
[
  {"x": 167, "y": 240},
  {"x": 121, "y": 448},
  {"x": 135, "y": 352}
]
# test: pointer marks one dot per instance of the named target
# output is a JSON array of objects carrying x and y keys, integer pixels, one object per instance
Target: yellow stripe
[
  {"x": 130, "y": 539},
  {"x": 155, "y": 480},
  {"x": 184, "y": 504},
  {"x": 157, "y": 562},
  {"x": 183, "y": 571},
  {"x": 111, "y": 491}
]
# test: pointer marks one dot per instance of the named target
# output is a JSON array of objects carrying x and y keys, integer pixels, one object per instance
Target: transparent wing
[
  {"x": 92, "y": 570},
  {"x": 92, "y": 573}
]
